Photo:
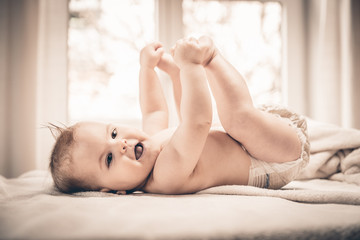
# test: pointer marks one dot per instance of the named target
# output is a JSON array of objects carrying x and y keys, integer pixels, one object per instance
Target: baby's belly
[{"x": 223, "y": 162}]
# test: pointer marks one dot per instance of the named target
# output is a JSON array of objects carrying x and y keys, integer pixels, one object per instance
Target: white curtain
[
  {"x": 332, "y": 29},
  {"x": 33, "y": 78}
]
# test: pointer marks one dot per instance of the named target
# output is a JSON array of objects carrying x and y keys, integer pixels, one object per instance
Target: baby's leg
[{"x": 265, "y": 136}]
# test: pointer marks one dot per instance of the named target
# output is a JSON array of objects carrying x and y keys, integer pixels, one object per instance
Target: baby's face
[{"x": 112, "y": 157}]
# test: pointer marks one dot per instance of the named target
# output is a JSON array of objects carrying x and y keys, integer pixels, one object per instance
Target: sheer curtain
[
  {"x": 33, "y": 79},
  {"x": 332, "y": 39}
]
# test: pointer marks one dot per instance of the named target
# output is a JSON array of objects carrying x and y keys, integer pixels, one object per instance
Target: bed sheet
[{"x": 30, "y": 208}]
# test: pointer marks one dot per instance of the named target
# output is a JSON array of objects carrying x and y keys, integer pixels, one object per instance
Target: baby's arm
[
  {"x": 178, "y": 159},
  {"x": 152, "y": 101},
  {"x": 168, "y": 65}
]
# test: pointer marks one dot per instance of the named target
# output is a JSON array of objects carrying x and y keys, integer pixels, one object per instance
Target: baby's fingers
[
  {"x": 156, "y": 45},
  {"x": 158, "y": 49}
]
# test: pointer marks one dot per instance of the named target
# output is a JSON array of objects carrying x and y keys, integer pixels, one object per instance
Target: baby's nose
[{"x": 122, "y": 143}]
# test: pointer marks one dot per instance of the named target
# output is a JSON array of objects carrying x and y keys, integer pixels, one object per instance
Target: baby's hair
[{"x": 61, "y": 159}]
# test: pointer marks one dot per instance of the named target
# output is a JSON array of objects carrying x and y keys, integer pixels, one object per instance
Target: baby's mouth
[{"x": 139, "y": 148}]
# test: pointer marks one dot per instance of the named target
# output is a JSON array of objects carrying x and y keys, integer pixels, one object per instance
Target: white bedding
[{"x": 30, "y": 208}]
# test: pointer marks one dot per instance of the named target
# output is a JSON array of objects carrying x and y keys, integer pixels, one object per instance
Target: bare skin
[{"x": 193, "y": 156}]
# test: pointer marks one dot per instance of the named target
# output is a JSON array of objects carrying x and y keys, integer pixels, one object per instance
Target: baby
[{"x": 264, "y": 148}]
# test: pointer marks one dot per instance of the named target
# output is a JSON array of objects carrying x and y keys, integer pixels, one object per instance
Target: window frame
[{"x": 53, "y": 83}]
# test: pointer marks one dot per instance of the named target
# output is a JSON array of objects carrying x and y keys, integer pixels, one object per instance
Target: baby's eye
[
  {"x": 113, "y": 133},
  {"x": 109, "y": 158}
]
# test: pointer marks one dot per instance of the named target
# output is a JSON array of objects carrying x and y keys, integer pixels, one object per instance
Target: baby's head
[
  {"x": 61, "y": 159},
  {"x": 101, "y": 157}
]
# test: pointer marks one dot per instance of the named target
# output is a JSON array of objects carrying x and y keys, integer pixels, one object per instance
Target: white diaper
[{"x": 276, "y": 175}]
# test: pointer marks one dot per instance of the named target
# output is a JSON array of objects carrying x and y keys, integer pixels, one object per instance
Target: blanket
[
  {"x": 319, "y": 191},
  {"x": 334, "y": 154}
]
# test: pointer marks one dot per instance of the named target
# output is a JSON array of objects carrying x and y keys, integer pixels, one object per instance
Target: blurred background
[{"x": 63, "y": 61}]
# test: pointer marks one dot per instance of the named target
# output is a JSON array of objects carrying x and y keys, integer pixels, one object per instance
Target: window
[
  {"x": 104, "y": 41},
  {"x": 248, "y": 33},
  {"x": 105, "y": 37}
]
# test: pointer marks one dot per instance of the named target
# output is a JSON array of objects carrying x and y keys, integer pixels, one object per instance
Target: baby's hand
[
  {"x": 168, "y": 65},
  {"x": 187, "y": 51},
  {"x": 200, "y": 51},
  {"x": 151, "y": 54}
]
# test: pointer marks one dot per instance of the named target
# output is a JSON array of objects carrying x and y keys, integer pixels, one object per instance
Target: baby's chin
[{"x": 151, "y": 152}]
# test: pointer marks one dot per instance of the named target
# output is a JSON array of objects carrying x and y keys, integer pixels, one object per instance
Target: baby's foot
[
  {"x": 209, "y": 49},
  {"x": 168, "y": 65}
]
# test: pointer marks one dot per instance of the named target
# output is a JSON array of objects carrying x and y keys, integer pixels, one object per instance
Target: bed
[{"x": 324, "y": 203}]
